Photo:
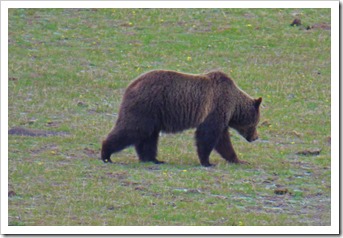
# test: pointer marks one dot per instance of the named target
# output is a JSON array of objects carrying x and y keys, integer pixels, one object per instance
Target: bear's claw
[{"x": 107, "y": 160}]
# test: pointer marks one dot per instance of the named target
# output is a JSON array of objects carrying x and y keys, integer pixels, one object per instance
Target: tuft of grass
[{"x": 68, "y": 69}]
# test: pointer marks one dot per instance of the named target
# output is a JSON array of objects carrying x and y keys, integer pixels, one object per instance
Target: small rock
[
  {"x": 296, "y": 22},
  {"x": 309, "y": 152},
  {"x": 140, "y": 188},
  {"x": 265, "y": 123},
  {"x": 52, "y": 124},
  {"x": 82, "y": 104},
  {"x": 294, "y": 132},
  {"x": 280, "y": 191},
  {"x": 290, "y": 96}
]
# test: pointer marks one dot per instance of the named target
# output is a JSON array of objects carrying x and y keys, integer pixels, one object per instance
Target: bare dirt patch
[{"x": 21, "y": 131}]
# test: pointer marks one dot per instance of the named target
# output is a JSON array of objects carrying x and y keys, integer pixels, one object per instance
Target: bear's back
[{"x": 176, "y": 100}]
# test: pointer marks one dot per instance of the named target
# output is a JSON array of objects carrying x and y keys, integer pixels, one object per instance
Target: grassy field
[{"x": 68, "y": 69}]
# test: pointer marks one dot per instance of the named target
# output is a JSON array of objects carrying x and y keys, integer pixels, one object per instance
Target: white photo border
[{"x": 333, "y": 229}]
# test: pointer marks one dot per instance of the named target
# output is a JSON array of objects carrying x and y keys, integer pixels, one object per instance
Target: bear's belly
[
  {"x": 175, "y": 129},
  {"x": 177, "y": 122}
]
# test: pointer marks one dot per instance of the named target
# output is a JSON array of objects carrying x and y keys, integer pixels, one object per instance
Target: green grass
[{"x": 70, "y": 68}]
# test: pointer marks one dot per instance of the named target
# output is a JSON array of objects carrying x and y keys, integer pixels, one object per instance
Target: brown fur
[{"x": 171, "y": 102}]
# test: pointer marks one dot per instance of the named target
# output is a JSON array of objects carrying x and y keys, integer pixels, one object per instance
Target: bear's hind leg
[
  {"x": 115, "y": 142},
  {"x": 147, "y": 149}
]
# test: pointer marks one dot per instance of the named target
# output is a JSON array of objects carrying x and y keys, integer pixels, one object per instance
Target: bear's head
[{"x": 246, "y": 119}]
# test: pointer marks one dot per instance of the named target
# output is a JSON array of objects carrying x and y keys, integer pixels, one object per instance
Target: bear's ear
[{"x": 258, "y": 102}]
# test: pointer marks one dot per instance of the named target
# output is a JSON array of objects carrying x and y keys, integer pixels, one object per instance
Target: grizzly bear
[{"x": 171, "y": 102}]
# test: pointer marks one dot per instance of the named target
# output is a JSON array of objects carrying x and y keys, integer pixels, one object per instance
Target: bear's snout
[{"x": 252, "y": 138}]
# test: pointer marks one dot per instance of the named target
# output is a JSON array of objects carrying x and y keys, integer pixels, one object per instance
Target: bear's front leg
[
  {"x": 147, "y": 149},
  {"x": 206, "y": 138},
  {"x": 225, "y": 149}
]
